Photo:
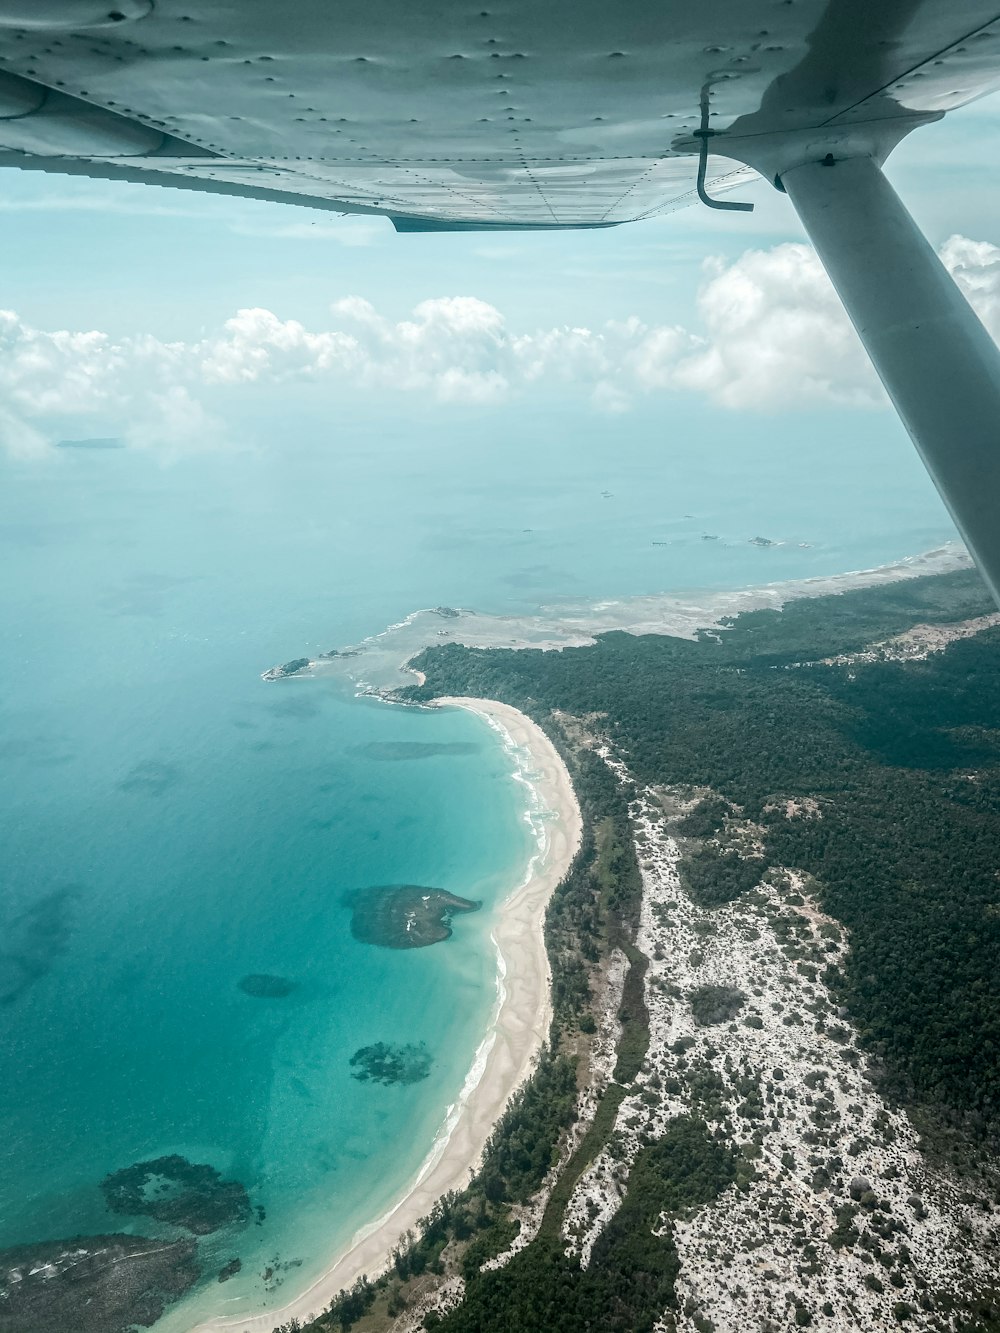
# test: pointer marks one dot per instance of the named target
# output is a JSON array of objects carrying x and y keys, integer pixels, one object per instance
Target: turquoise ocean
[{"x": 170, "y": 823}]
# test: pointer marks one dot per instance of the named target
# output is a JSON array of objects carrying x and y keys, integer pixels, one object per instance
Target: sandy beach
[{"x": 521, "y": 1026}]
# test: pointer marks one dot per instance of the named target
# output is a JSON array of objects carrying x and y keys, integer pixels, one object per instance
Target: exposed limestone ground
[
  {"x": 836, "y": 1220},
  {"x": 602, "y": 1058},
  {"x": 914, "y": 644}
]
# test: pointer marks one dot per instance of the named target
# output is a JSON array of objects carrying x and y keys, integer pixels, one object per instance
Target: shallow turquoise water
[{"x": 170, "y": 823}]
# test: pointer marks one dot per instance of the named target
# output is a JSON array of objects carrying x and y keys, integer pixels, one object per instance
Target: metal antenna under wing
[{"x": 703, "y": 135}]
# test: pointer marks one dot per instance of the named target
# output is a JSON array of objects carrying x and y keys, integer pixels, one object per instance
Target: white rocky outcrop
[{"x": 838, "y": 1220}]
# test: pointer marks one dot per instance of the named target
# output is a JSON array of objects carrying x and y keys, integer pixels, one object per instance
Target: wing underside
[{"x": 445, "y": 114}]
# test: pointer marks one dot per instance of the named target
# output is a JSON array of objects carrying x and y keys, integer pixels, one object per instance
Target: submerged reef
[
  {"x": 264, "y": 986},
  {"x": 404, "y": 916},
  {"x": 92, "y": 1284},
  {"x": 34, "y": 940},
  {"x": 387, "y": 1063},
  {"x": 395, "y": 750},
  {"x": 186, "y": 1194}
]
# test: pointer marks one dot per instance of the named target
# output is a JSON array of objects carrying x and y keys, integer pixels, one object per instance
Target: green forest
[
  {"x": 903, "y": 758},
  {"x": 902, "y": 761}
]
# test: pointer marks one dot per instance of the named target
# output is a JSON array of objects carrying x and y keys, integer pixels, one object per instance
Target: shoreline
[
  {"x": 506, "y": 1056},
  {"x": 380, "y": 663}
]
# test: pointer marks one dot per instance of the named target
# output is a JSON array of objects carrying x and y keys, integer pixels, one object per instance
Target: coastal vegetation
[
  {"x": 879, "y": 780},
  {"x": 629, "y": 1281},
  {"x": 592, "y": 911},
  {"x": 902, "y": 758}
]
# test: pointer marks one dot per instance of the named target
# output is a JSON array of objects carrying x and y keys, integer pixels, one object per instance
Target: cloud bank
[{"x": 771, "y": 335}]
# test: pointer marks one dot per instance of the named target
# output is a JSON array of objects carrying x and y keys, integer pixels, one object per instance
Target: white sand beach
[{"x": 522, "y": 1024}]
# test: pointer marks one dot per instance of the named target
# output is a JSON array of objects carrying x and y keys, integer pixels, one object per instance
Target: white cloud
[
  {"x": 975, "y": 266},
  {"x": 772, "y": 335},
  {"x": 776, "y": 334},
  {"x": 306, "y": 224},
  {"x": 610, "y": 399},
  {"x": 173, "y": 423},
  {"x": 19, "y": 439}
]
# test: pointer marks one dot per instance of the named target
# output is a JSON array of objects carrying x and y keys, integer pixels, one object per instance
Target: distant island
[
  {"x": 293, "y": 668},
  {"x": 404, "y": 916},
  {"x": 99, "y": 442}
]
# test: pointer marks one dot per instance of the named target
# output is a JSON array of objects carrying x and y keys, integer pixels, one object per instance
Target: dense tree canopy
[{"x": 902, "y": 759}]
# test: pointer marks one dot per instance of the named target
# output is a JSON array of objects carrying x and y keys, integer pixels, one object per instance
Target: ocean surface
[{"x": 170, "y": 823}]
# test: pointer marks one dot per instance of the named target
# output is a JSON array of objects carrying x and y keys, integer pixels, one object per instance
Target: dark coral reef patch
[
  {"x": 264, "y": 986},
  {"x": 92, "y": 1284},
  {"x": 404, "y": 916},
  {"x": 186, "y": 1194},
  {"x": 388, "y": 1063}
]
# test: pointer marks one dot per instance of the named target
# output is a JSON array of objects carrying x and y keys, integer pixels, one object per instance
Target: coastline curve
[{"x": 507, "y": 1054}]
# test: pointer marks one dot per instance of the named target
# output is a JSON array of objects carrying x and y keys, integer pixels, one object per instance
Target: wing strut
[{"x": 939, "y": 365}]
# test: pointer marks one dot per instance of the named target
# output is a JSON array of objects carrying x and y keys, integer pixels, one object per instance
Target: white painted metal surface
[
  {"x": 521, "y": 113},
  {"x": 496, "y": 113},
  {"x": 939, "y": 365}
]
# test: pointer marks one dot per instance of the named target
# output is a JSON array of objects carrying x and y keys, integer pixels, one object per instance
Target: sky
[{"x": 167, "y": 318}]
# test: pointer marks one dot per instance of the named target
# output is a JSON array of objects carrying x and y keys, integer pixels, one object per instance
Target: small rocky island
[
  {"x": 387, "y": 1063},
  {"x": 93, "y": 1284},
  {"x": 762, "y": 541},
  {"x": 404, "y": 916},
  {"x": 293, "y": 668},
  {"x": 185, "y": 1194},
  {"x": 263, "y": 986}
]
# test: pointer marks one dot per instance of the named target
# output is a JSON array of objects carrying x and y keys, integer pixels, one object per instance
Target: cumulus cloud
[
  {"x": 174, "y": 422},
  {"x": 776, "y": 333},
  {"x": 975, "y": 266},
  {"x": 19, "y": 439},
  {"x": 771, "y": 334}
]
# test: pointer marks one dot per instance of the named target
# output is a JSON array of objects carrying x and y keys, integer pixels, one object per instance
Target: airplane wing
[
  {"x": 498, "y": 114},
  {"x": 464, "y": 113}
]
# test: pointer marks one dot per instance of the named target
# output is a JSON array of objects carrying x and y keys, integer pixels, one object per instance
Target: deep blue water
[{"x": 170, "y": 823}]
